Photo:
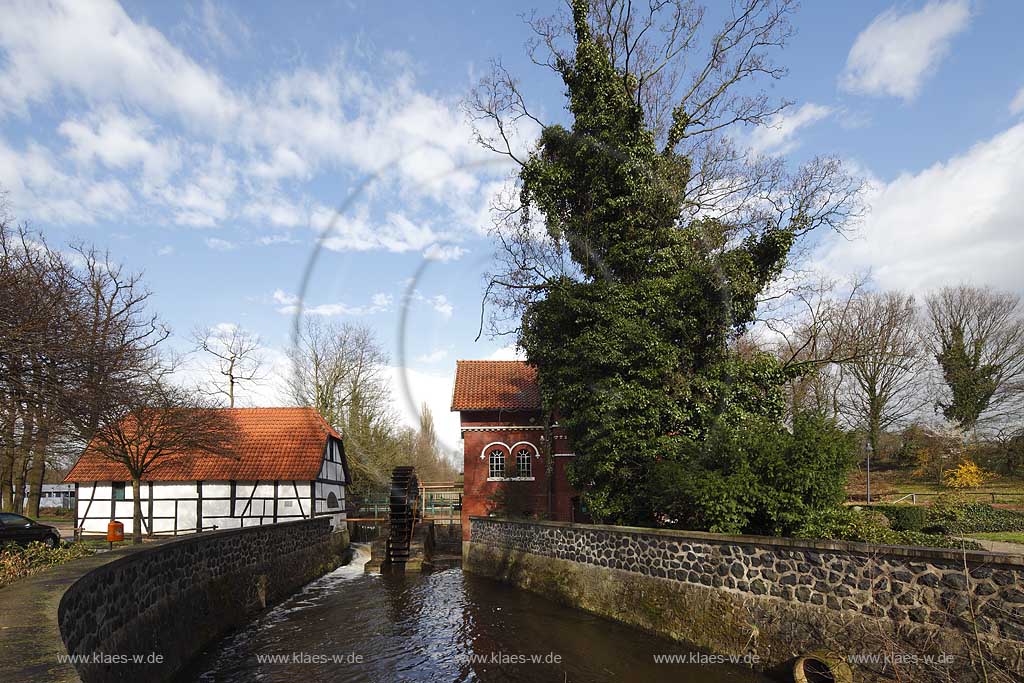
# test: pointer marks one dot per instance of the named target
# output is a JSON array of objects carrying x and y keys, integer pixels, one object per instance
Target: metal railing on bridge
[{"x": 440, "y": 502}]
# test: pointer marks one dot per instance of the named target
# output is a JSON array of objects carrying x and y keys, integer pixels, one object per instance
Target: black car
[{"x": 22, "y": 530}]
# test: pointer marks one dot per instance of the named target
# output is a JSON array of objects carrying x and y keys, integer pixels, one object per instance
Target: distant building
[
  {"x": 54, "y": 496},
  {"x": 505, "y": 448},
  {"x": 290, "y": 464}
]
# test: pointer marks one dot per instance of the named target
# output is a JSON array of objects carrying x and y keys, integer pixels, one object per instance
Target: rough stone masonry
[
  {"x": 896, "y": 613},
  {"x": 172, "y": 599}
]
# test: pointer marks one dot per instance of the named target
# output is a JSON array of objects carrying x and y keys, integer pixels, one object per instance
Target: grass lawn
[
  {"x": 1005, "y": 536},
  {"x": 890, "y": 484}
]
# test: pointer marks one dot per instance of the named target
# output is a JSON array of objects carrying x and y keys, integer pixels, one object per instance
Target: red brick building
[{"x": 506, "y": 445}]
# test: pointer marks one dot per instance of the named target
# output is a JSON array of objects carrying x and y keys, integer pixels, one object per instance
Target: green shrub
[
  {"x": 17, "y": 562},
  {"x": 904, "y": 517},
  {"x": 870, "y": 526},
  {"x": 956, "y": 517},
  {"x": 753, "y": 476}
]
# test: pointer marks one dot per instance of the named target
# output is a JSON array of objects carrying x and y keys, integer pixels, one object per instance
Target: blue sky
[{"x": 208, "y": 144}]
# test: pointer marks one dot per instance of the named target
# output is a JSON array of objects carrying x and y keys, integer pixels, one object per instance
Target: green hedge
[
  {"x": 871, "y": 526},
  {"x": 904, "y": 517},
  {"x": 970, "y": 518}
]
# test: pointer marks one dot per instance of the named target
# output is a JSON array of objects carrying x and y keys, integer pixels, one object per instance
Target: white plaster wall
[
  {"x": 175, "y": 489},
  {"x": 293, "y": 503},
  {"x": 216, "y": 489}
]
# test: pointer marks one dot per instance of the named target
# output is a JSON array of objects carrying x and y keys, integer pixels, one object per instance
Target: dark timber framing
[
  {"x": 333, "y": 452},
  {"x": 199, "y": 506}
]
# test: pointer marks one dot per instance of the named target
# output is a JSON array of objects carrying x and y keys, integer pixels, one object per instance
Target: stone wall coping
[
  {"x": 900, "y": 551},
  {"x": 161, "y": 545}
]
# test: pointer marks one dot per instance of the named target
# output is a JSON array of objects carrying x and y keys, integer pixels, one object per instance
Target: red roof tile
[
  {"x": 274, "y": 443},
  {"x": 495, "y": 385}
]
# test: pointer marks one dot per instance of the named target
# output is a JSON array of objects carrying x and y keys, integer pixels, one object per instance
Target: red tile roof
[
  {"x": 495, "y": 385},
  {"x": 274, "y": 443}
]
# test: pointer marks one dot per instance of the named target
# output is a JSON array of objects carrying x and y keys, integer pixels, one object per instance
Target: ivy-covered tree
[
  {"x": 634, "y": 269},
  {"x": 977, "y": 337}
]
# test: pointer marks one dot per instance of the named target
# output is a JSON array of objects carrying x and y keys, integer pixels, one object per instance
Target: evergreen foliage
[{"x": 670, "y": 424}]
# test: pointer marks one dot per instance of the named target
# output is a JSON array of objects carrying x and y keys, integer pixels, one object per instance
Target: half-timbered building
[{"x": 287, "y": 464}]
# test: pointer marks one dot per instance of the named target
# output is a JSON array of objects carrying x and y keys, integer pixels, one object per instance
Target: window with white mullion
[
  {"x": 496, "y": 464},
  {"x": 524, "y": 463}
]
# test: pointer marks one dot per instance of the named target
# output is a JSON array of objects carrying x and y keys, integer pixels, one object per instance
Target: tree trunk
[
  {"x": 7, "y": 463},
  {"x": 38, "y": 467},
  {"x": 22, "y": 457},
  {"x": 136, "y": 511}
]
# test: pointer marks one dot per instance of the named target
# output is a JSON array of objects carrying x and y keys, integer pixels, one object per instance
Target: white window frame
[
  {"x": 494, "y": 464},
  {"x": 506, "y": 452},
  {"x": 524, "y": 463}
]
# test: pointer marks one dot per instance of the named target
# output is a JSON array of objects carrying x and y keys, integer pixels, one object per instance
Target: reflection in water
[{"x": 446, "y": 626}]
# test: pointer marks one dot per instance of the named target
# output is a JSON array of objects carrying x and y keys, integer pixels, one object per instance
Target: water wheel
[{"x": 403, "y": 510}]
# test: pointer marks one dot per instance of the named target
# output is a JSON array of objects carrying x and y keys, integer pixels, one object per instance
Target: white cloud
[
  {"x": 268, "y": 240},
  {"x": 276, "y": 211},
  {"x": 434, "y": 389},
  {"x": 1017, "y": 105},
  {"x": 441, "y": 304},
  {"x": 956, "y": 221},
  {"x": 289, "y": 305},
  {"x": 204, "y": 199},
  {"x": 120, "y": 142},
  {"x": 898, "y": 50},
  {"x": 40, "y": 188},
  {"x": 444, "y": 252},
  {"x": 281, "y": 297},
  {"x": 778, "y": 137},
  {"x": 221, "y": 29},
  {"x": 95, "y": 51},
  {"x": 207, "y": 152},
  {"x": 433, "y": 357},
  {"x": 282, "y": 163},
  {"x": 356, "y": 231},
  {"x": 218, "y": 244},
  {"x": 512, "y": 352},
  {"x": 166, "y": 250}
]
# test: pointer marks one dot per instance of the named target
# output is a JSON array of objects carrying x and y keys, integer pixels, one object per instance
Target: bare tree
[
  {"x": 33, "y": 356},
  {"x": 882, "y": 386},
  {"x": 339, "y": 369},
  {"x": 154, "y": 423},
  {"x": 237, "y": 357},
  {"x": 977, "y": 336},
  {"x": 79, "y": 331},
  {"x": 430, "y": 461},
  {"x": 331, "y": 364},
  {"x": 813, "y": 340},
  {"x": 693, "y": 99}
]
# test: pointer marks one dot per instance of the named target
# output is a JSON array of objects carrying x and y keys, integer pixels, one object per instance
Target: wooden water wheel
[{"x": 403, "y": 511}]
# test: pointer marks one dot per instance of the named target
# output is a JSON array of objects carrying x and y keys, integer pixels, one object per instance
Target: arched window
[
  {"x": 524, "y": 463},
  {"x": 496, "y": 464},
  {"x": 332, "y": 501}
]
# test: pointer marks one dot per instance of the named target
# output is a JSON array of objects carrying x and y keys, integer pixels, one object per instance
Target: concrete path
[
  {"x": 30, "y": 640},
  {"x": 999, "y": 546}
]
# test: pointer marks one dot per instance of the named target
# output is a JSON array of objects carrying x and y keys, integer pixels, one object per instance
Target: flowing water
[{"x": 444, "y": 626}]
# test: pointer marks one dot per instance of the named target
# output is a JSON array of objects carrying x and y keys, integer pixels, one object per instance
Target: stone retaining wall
[
  {"x": 173, "y": 599},
  {"x": 778, "y": 598}
]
